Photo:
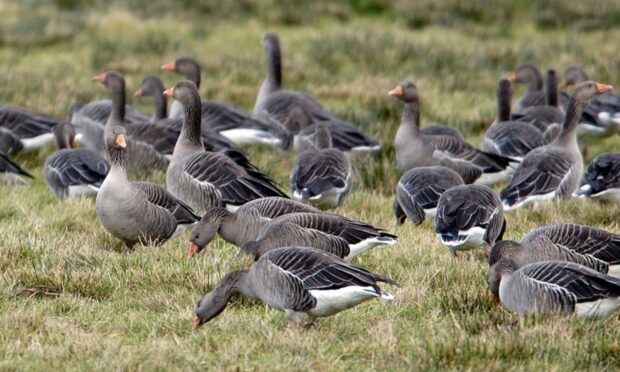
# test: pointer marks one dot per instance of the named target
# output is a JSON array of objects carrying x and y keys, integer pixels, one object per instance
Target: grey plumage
[
  {"x": 601, "y": 179},
  {"x": 23, "y": 129},
  {"x": 529, "y": 75},
  {"x": 10, "y": 172}
]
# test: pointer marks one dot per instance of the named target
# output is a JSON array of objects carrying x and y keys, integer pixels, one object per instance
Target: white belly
[
  {"x": 79, "y": 190},
  {"x": 532, "y": 199},
  {"x": 598, "y": 309},
  {"x": 330, "y": 302}
]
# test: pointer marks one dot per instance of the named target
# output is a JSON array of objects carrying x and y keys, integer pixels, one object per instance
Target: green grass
[{"x": 72, "y": 297}]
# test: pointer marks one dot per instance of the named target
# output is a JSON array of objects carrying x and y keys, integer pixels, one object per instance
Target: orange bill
[
  {"x": 602, "y": 88},
  {"x": 512, "y": 77},
  {"x": 193, "y": 250},
  {"x": 138, "y": 93},
  {"x": 170, "y": 66},
  {"x": 100, "y": 78},
  {"x": 398, "y": 91},
  {"x": 197, "y": 322},
  {"x": 168, "y": 92},
  {"x": 120, "y": 140}
]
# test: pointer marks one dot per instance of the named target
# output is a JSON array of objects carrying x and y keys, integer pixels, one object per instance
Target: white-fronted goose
[
  {"x": 508, "y": 137},
  {"x": 32, "y": 129},
  {"x": 415, "y": 149},
  {"x": 601, "y": 118},
  {"x": 302, "y": 127},
  {"x": 206, "y": 179},
  {"x": 230, "y": 121},
  {"x": 418, "y": 192},
  {"x": 335, "y": 234},
  {"x": 601, "y": 179},
  {"x": 585, "y": 245},
  {"x": 529, "y": 75},
  {"x": 244, "y": 224},
  {"x": 137, "y": 211},
  {"x": 299, "y": 281},
  {"x": 469, "y": 216},
  {"x": 554, "y": 287},
  {"x": 142, "y": 155},
  {"x": 71, "y": 171},
  {"x": 12, "y": 173},
  {"x": 549, "y": 113},
  {"x": 322, "y": 175},
  {"x": 276, "y": 102},
  {"x": 553, "y": 170}
]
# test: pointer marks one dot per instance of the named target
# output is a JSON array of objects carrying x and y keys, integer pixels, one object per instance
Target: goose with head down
[
  {"x": 205, "y": 179},
  {"x": 601, "y": 179},
  {"x": 301, "y": 281},
  {"x": 554, "y": 170}
]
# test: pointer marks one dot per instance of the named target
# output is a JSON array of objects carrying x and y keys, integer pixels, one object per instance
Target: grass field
[{"x": 71, "y": 297}]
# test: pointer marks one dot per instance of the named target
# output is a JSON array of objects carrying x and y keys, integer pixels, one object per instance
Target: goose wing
[
  {"x": 25, "y": 123},
  {"x": 77, "y": 167},
  {"x": 160, "y": 197},
  {"x": 7, "y": 165},
  {"x": 320, "y": 171},
  {"x": 583, "y": 239}
]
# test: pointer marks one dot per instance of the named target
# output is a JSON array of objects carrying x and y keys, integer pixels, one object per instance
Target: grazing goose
[
  {"x": 205, "y": 179},
  {"x": 244, "y": 224},
  {"x": 508, "y": 137},
  {"x": 602, "y": 179},
  {"x": 554, "y": 287},
  {"x": 142, "y": 155},
  {"x": 137, "y": 211},
  {"x": 528, "y": 74},
  {"x": 542, "y": 116},
  {"x": 230, "y": 121},
  {"x": 22, "y": 129},
  {"x": 418, "y": 192},
  {"x": 345, "y": 137},
  {"x": 415, "y": 149},
  {"x": 71, "y": 171},
  {"x": 12, "y": 173},
  {"x": 276, "y": 102},
  {"x": 553, "y": 170},
  {"x": 152, "y": 86},
  {"x": 602, "y": 116},
  {"x": 469, "y": 216},
  {"x": 322, "y": 175},
  {"x": 335, "y": 234},
  {"x": 298, "y": 281}
]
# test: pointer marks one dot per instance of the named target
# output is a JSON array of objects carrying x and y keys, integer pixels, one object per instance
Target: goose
[
  {"x": 23, "y": 129},
  {"x": 152, "y": 86},
  {"x": 12, "y": 173},
  {"x": 71, "y": 172},
  {"x": 585, "y": 245},
  {"x": 528, "y": 74},
  {"x": 542, "y": 116},
  {"x": 322, "y": 175},
  {"x": 232, "y": 122},
  {"x": 554, "y": 288},
  {"x": 301, "y": 281},
  {"x": 553, "y": 170},
  {"x": 418, "y": 192},
  {"x": 601, "y": 118},
  {"x": 335, "y": 234},
  {"x": 602, "y": 179},
  {"x": 508, "y": 137},
  {"x": 205, "y": 179},
  {"x": 137, "y": 212},
  {"x": 469, "y": 216},
  {"x": 301, "y": 126},
  {"x": 415, "y": 149},
  {"x": 244, "y": 224},
  {"x": 142, "y": 155},
  {"x": 277, "y": 103},
  {"x": 95, "y": 114}
]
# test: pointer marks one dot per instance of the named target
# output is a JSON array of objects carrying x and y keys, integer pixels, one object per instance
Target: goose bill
[{"x": 192, "y": 250}]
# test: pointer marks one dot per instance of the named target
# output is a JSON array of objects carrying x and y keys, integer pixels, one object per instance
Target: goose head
[
  {"x": 117, "y": 140},
  {"x": 297, "y": 119},
  {"x": 185, "y": 92},
  {"x": 405, "y": 91},
  {"x": 574, "y": 75},
  {"x": 113, "y": 81},
  {"x": 500, "y": 269},
  {"x": 271, "y": 43},
  {"x": 214, "y": 302},
  {"x": 587, "y": 90},
  {"x": 322, "y": 137},
  {"x": 529, "y": 74},
  {"x": 150, "y": 86},
  {"x": 186, "y": 66},
  {"x": 206, "y": 229}
]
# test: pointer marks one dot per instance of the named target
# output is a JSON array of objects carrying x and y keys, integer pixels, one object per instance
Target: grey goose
[
  {"x": 418, "y": 192},
  {"x": 230, "y": 121},
  {"x": 601, "y": 179},
  {"x": 554, "y": 288},
  {"x": 24, "y": 129},
  {"x": 529, "y": 75},
  {"x": 242, "y": 225},
  {"x": 332, "y": 233},
  {"x": 322, "y": 175},
  {"x": 415, "y": 149},
  {"x": 137, "y": 212},
  {"x": 585, "y": 245},
  {"x": 300, "y": 281},
  {"x": 469, "y": 216},
  {"x": 10, "y": 172},
  {"x": 554, "y": 170},
  {"x": 601, "y": 118},
  {"x": 72, "y": 171},
  {"x": 206, "y": 179},
  {"x": 507, "y": 137},
  {"x": 277, "y": 103},
  {"x": 151, "y": 86}
]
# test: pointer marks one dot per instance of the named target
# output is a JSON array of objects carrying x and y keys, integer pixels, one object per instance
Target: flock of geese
[{"x": 301, "y": 251}]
